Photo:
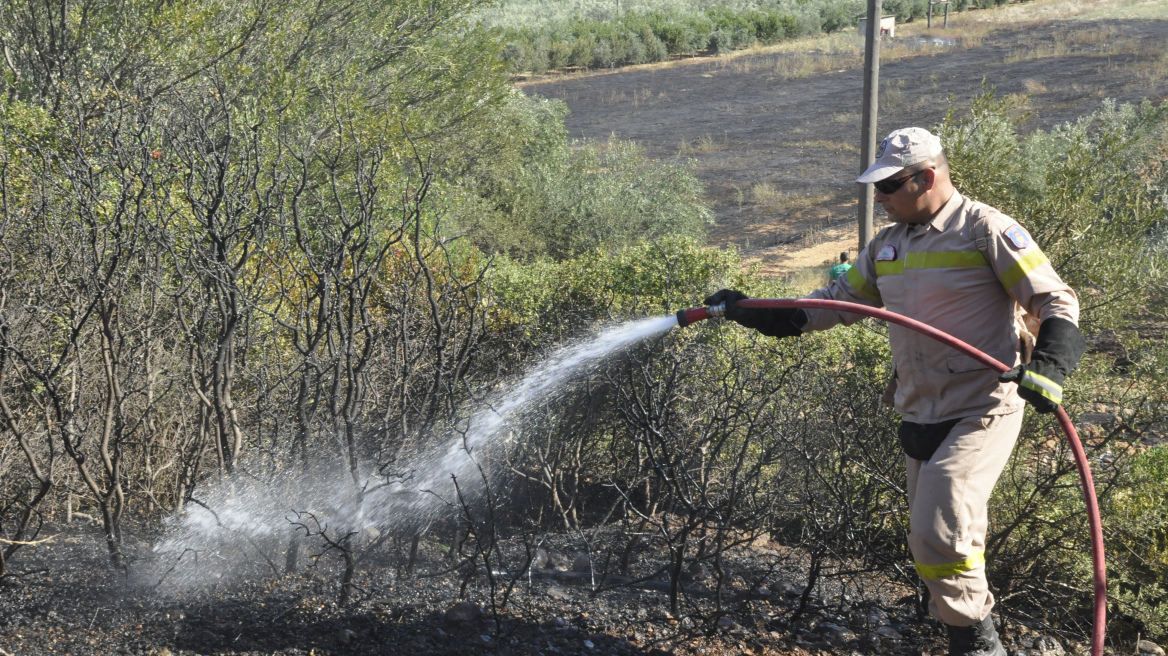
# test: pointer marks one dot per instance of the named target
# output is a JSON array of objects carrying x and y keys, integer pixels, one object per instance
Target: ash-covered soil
[
  {"x": 65, "y": 598},
  {"x": 746, "y": 122}
]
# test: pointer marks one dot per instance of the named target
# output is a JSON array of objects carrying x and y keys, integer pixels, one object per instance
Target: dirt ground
[
  {"x": 65, "y": 599},
  {"x": 775, "y": 135}
]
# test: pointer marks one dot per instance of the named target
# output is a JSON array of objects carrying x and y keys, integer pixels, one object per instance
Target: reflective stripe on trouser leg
[{"x": 948, "y": 497}]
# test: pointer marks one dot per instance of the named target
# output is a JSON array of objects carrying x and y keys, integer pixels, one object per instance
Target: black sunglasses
[{"x": 889, "y": 187}]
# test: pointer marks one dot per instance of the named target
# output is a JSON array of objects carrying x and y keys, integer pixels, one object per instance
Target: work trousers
[{"x": 948, "y": 496}]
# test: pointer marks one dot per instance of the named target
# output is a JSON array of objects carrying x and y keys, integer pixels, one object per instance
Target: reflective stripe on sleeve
[
  {"x": 1043, "y": 385},
  {"x": 942, "y": 260},
  {"x": 975, "y": 560},
  {"x": 1022, "y": 268},
  {"x": 861, "y": 286}
]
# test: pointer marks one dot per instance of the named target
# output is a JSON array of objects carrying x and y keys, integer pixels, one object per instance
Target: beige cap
[{"x": 899, "y": 150}]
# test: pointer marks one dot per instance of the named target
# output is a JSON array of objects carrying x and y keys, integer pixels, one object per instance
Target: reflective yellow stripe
[
  {"x": 947, "y": 260},
  {"x": 942, "y": 260},
  {"x": 861, "y": 286},
  {"x": 1022, "y": 268},
  {"x": 977, "y": 559},
  {"x": 1043, "y": 385}
]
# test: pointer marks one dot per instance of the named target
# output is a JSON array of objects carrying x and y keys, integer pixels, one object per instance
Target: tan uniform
[{"x": 937, "y": 274}]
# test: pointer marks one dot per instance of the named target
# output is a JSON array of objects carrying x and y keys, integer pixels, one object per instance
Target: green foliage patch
[
  {"x": 516, "y": 184},
  {"x": 652, "y": 36},
  {"x": 542, "y": 36}
]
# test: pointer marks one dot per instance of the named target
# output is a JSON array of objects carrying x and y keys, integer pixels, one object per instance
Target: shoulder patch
[
  {"x": 1018, "y": 237},
  {"x": 886, "y": 254}
]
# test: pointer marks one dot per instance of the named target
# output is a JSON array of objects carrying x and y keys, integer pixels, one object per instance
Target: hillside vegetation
[
  {"x": 571, "y": 33},
  {"x": 238, "y": 243}
]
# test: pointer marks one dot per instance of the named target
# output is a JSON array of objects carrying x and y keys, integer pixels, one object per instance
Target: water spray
[
  {"x": 687, "y": 317},
  {"x": 243, "y": 522}
]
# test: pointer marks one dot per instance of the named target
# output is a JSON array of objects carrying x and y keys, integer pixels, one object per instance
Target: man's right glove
[
  {"x": 774, "y": 322},
  {"x": 1057, "y": 350}
]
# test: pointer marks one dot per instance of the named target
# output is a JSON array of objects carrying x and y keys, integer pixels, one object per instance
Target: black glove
[
  {"x": 1057, "y": 350},
  {"x": 774, "y": 322}
]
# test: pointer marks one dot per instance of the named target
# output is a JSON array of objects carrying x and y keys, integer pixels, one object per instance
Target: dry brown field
[{"x": 774, "y": 132}]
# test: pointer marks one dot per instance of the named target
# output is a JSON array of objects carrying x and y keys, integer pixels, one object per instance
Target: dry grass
[
  {"x": 765, "y": 193},
  {"x": 1042, "y": 11},
  {"x": 838, "y": 52},
  {"x": 1041, "y": 51},
  {"x": 805, "y": 265},
  {"x": 1020, "y": 102},
  {"x": 805, "y": 65},
  {"x": 637, "y": 97},
  {"x": 1079, "y": 42},
  {"x": 1156, "y": 68},
  {"x": 892, "y": 95},
  {"x": 1089, "y": 37},
  {"x": 809, "y": 279},
  {"x": 836, "y": 42},
  {"x": 824, "y": 144},
  {"x": 773, "y": 200},
  {"x": 701, "y": 145},
  {"x": 846, "y": 117},
  {"x": 817, "y": 233},
  {"x": 1033, "y": 86}
]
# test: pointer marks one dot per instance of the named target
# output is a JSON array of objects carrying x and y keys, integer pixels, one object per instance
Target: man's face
[{"x": 909, "y": 203}]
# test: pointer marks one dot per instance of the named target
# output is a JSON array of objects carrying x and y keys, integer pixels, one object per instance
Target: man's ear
[{"x": 927, "y": 177}]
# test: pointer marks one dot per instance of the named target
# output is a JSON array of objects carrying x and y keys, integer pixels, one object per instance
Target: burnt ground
[
  {"x": 64, "y": 598},
  {"x": 751, "y": 120}
]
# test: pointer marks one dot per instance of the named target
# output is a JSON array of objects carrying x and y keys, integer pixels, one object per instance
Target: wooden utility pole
[{"x": 868, "y": 130}]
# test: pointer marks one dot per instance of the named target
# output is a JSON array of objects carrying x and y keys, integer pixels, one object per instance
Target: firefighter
[{"x": 964, "y": 268}]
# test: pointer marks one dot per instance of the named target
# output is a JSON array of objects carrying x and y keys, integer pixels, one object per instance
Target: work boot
[{"x": 978, "y": 640}]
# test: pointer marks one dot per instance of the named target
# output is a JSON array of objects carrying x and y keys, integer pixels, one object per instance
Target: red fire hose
[{"x": 686, "y": 317}]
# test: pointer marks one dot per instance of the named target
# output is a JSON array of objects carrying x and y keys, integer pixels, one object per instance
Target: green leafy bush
[
  {"x": 908, "y": 10},
  {"x": 546, "y": 299},
  {"x": 1137, "y": 537},
  {"x": 683, "y": 26},
  {"x": 539, "y": 194},
  {"x": 636, "y": 38}
]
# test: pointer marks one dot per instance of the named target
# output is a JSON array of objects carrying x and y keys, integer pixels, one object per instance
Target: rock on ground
[
  {"x": 1149, "y": 647},
  {"x": 464, "y": 611}
]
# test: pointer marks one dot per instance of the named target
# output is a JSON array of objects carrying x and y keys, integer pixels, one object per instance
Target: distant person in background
[{"x": 841, "y": 268}]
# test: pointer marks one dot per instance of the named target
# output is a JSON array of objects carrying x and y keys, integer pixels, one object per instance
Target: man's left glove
[
  {"x": 1057, "y": 350},
  {"x": 774, "y": 322}
]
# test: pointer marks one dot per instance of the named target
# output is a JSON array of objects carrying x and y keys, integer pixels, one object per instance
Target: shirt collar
[{"x": 945, "y": 216}]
